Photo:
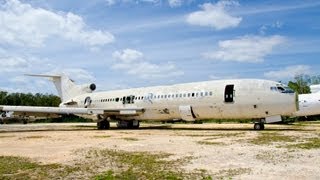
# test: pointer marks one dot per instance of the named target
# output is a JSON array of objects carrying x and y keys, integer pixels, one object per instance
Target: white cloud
[
  {"x": 175, "y": 3},
  {"x": 128, "y": 55},
  {"x": 288, "y": 72},
  {"x": 245, "y": 49},
  {"x": 215, "y": 15},
  {"x": 265, "y": 27},
  {"x": 133, "y": 62},
  {"x": 23, "y": 25},
  {"x": 110, "y": 2}
]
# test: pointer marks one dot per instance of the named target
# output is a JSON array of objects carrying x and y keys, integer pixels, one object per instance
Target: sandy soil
[{"x": 227, "y": 148}]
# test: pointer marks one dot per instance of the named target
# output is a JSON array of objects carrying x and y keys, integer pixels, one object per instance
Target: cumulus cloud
[
  {"x": 175, "y": 3},
  {"x": 133, "y": 62},
  {"x": 288, "y": 72},
  {"x": 23, "y": 25},
  {"x": 215, "y": 15},
  {"x": 245, "y": 49}
]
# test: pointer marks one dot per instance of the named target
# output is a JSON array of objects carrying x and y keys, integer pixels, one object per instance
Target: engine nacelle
[{"x": 88, "y": 88}]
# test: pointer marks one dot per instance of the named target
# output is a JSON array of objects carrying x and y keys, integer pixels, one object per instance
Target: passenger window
[
  {"x": 117, "y": 99},
  {"x": 206, "y": 93},
  {"x": 189, "y": 94},
  {"x": 201, "y": 94},
  {"x": 165, "y": 96},
  {"x": 192, "y": 94},
  {"x": 184, "y": 95},
  {"x": 210, "y": 93},
  {"x": 169, "y": 96}
]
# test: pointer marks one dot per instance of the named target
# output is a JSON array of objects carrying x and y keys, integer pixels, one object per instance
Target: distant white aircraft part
[
  {"x": 262, "y": 100},
  {"x": 309, "y": 104}
]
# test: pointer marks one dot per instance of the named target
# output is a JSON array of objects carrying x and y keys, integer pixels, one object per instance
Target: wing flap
[{"x": 50, "y": 111}]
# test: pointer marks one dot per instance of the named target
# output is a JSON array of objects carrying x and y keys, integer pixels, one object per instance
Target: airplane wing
[{"x": 53, "y": 111}]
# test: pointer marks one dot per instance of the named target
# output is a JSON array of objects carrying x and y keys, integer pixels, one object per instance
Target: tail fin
[{"x": 66, "y": 87}]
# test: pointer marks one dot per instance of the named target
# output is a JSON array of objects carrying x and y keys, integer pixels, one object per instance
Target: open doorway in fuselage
[{"x": 229, "y": 93}]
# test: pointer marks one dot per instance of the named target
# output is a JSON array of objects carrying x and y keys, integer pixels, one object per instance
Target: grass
[
  {"x": 144, "y": 165},
  {"x": 219, "y": 135},
  {"x": 274, "y": 157},
  {"x": 265, "y": 138},
  {"x": 12, "y": 167},
  {"x": 34, "y": 137},
  {"x": 229, "y": 173},
  {"x": 210, "y": 143},
  {"x": 102, "y": 136},
  {"x": 130, "y": 139},
  {"x": 6, "y": 136},
  {"x": 312, "y": 143},
  {"x": 102, "y": 164}
]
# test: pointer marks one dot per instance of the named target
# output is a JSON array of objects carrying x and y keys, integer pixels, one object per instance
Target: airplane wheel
[
  {"x": 136, "y": 125},
  {"x": 258, "y": 126},
  {"x": 103, "y": 125}
]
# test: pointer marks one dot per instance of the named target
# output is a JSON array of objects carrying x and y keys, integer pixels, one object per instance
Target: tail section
[{"x": 66, "y": 87}]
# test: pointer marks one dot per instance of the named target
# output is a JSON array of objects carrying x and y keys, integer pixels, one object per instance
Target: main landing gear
[
  {"x": 104, "y": 124},
  {"x": 131, "y": 124},
  {"x": 259, "y": 124}
]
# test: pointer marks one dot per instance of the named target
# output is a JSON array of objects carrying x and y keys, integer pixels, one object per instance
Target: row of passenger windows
[{"x": 165, "y": 96}]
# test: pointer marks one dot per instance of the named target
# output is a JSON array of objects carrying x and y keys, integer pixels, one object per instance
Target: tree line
[{"x": 22, "y": 99}]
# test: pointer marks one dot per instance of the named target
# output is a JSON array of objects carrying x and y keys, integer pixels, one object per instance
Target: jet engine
[{"x": 88, "y": 88}]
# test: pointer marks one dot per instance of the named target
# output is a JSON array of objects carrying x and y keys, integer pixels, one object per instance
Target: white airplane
[
  {"x": 309, "y": 104},
  {"x": 261, "y": 100}
]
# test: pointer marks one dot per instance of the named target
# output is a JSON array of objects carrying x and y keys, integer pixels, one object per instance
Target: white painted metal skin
[
  {"x": 252, "y": 99},
  {"x": 309, "y": 104}
]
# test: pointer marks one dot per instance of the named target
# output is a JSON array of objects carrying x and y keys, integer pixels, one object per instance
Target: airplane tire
[
  {"x": 258, "y": 126},
  {"x": 136, "y": 126},
  {"x": 103, "y": 125},
  {"x": 25, "y": 121}
]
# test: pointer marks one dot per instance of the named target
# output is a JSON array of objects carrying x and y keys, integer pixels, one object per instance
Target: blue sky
[{"x": 132, "y": 43}]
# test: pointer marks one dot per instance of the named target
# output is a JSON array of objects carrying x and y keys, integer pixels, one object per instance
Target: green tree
[{"x": 301, "y": 84}]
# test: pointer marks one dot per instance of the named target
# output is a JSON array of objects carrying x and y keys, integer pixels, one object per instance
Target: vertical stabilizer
[{"x": 66, "y": 87}]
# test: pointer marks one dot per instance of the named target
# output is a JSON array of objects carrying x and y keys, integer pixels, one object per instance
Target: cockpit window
[{"x": 281, "y": 88}]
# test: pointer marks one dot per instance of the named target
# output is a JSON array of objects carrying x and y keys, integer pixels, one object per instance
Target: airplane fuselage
[{"x": 223, "y": 99}]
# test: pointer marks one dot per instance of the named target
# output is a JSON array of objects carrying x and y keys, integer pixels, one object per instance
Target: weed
[
  {"x": 130, "y": 139},
  {"x": 273, "y": 157},
  {"x": 229, "y": 173},
  {"x": 219, "y": 135},
  {"x": 269, "y": 138},
  {"x": 6, "y": 136},
  {"x": 312, "y": 143},
  {"x": 144, "y": 165},
  {"x": 101, "y": 136},
  {"x": 34, "y": 137},
  {"x": 210, "y": 143}
]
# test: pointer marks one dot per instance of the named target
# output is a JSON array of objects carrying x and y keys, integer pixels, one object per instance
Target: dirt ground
[{"x": 232, "y": 149}]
